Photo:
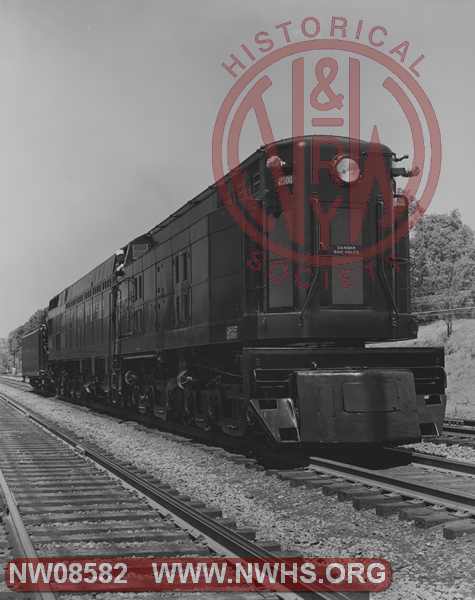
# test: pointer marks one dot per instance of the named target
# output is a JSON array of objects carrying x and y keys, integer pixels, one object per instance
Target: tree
[
  {"x": 443, "y": 264},
  {"x": 4, "y": 359}
]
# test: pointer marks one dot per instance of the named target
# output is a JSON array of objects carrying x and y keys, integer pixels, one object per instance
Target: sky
[{"x": 107, "y": 109}]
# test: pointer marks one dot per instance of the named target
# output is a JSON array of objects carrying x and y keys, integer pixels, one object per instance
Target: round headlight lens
[
  {"x": 347, "y": 169},
  {"x": 274, "y": 162}
]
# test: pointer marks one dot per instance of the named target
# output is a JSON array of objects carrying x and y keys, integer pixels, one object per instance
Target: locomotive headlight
[
  {"x": 274, "y": 162},
  {"x": 347, "y": 169}
]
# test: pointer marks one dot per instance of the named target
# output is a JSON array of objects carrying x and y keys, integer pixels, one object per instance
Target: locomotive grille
[
  {"x": 429, "y": 380},
  {"x": 272, "y": 383}
]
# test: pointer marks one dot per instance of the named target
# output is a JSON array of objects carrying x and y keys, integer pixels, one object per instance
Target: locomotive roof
[
  {"x": 331, "y": 140},
  {"x": 105, "y": 268}
]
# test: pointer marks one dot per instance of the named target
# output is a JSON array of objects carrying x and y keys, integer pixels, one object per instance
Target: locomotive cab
[{"x": 332, "y": 261}]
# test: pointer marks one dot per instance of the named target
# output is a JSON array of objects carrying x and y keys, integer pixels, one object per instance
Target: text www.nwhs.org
[{"x": 186, "y": 574}]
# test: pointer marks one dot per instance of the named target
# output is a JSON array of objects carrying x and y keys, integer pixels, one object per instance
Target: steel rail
[
  {"x": 392, "y": 483},
  {"x": 232, "y": 540},
  {"x": 459, "y": 421},
  {"x": 461, "y": 429},
  {"x": 19, "y": 535},
  {"x": 440, "y": 462},
  {"x": 433, "y": 460}
]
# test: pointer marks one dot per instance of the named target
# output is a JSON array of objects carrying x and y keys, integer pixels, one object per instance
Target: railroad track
[
  {"x": 439, "y": 462},
  {"x": 461, "y": 428},
  {"x": 16, "y": 383},
  {"x": 105, "y": 507},
  {"x": 429, "y": 491},
  {"x": 458, "y": 432},
  {"x": 456, "y": 422}
]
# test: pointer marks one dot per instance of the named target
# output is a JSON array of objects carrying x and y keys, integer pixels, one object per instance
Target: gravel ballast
[
  {"x": 453, "y": 451},
  {"x": 425, "y": 565}
]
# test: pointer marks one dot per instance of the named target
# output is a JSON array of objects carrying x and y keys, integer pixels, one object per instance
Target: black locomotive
[{"x": 204, "y": 322}]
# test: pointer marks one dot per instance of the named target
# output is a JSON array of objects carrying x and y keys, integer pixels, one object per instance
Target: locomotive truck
[{"x": 198, "y": 323}]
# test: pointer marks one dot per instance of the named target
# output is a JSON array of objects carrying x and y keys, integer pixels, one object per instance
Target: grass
[{"x": 459, "y": 362}]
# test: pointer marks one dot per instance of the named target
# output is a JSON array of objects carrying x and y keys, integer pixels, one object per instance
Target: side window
[
  {"x": 148, "y": 284},
  {"x": 182, "y": 275},
  {"x": 181, "y": 267},
  {"x": 164, "y": 271},
  {"x": 184, "y": 262},
  {"x": 133, "y": 290},
  {"x": 137, "y": 288}
]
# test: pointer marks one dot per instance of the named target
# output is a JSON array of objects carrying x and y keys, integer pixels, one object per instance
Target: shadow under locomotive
[{"x": 188, "y": 326}]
